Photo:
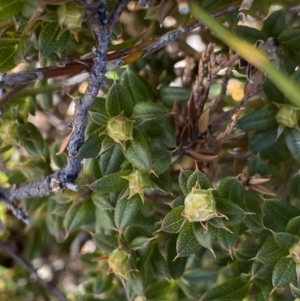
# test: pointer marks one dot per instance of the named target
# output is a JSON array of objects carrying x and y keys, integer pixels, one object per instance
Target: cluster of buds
[{"x": 118, "y": 262}]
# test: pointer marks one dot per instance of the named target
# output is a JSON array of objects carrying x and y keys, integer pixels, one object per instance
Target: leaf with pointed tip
[
  {"x": 232, "y": 211},
  {"x": 231, "y": 189},
  {"x": 51, "y": 41},
  {"x": 111, "y": 160},
  {"x": 161, "y": 161},
  {"x": 138, "y": 152},
  {"x": 292, "y": 139},
  {"x": 263, "y": 140},
  {"x": 111, "y": 182},
  {"x": 91, "y": 147},
  {"x": 233, "y": 289},
  {"x": 163, "y": 181},
  {"x": 118, "y": 101},
  {"x": 258, "y": 120},
  {"x": 274, "y": 24},
  {"x": 126, "y": 211},
  {"x": 284, "y": 240},
  {"x": 284, "y": 272},
  {"x": 108, "y": 243},
  {"x": 278, "y": 214},
  {"x": 295, "y": 290},
  {"x": 158, "y": 290},
  {"x": 197, "y": 176},
  {"x": 140, "y": 244},
  {"x": 183, "y": 178},
  {"x": 261, "y": 272},
  {"x": 270, "y": 252},
  {"x": 263, "y": 293},
  {"x": 107, "y": 143},
  {"x": 226, "y": 239},
  {"x": 32, "y": 140},
  {"x": 9, "y": 9},
  {"x": 149, "y": 114},
  {"x": 175, "y": 268},
  {"x": 104, "y": 219},
  {"x": 204, "y": 237},
  {"x": 78, "y": 214},
  {"x": 135, "y": 86},
  {"x": 294, "y": 185},
  {"x": 293, "y": 226},
  {"x": 253, "y": 204},
  {"x": 178, "y": 201},
  {"x": 173, "y": 221},
  {"x": 187, "y": 243},
  {"x": 101, "y": 202}
]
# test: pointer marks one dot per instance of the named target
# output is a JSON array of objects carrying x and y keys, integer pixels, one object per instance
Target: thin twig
[{"x": 26, "y": 265}]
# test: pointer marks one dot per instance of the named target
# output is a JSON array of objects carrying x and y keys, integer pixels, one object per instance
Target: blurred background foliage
[{"x": 185, "y": 123}]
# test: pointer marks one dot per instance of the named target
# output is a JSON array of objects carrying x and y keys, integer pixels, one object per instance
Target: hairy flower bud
[
  {"x": 139, "y": 181},
  {"x": 118, "y": 262},
  {"x": 288, "y": 116},
  {"x": 120, "y": 129},
  {"x": 199, "y": 205}
]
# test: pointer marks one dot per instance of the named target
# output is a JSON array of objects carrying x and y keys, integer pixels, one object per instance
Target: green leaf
[
  {"x": 173, "y": 221},
  {"x": 163, "y": 181},
  {"x": 118, "y": 101},
  {"x": 205, "y": 237},
  {"x": 226, "y": 239},
  {"x": 262, "y": 272},
  {"x": 140, "y": 245},
  {"x": 187, "y": 243},
  {"x": 270, "y": 252},
  {"x": 231, "y": 189},
  {"x": 170, "y": 95},
  {"x": 91, "y": 147},
  {"x": 272, "y": 93},
  {"x": 233, "y": 212},
  {"x": 108, "y": 243},
  {"x": 7, "y": 56},
  {"x": 263, "y": 293},
  {"x": 107, "y": 143},
  {"x": 278, "y": 214},
  {"x": 183, "y": 178},
  {"x": 178, "y": 201},
  {"x": 98, "y": 113},
  {"x": 104, "y": 219},
  {"x": 257, "y": 166},
  {"x": 9, "y": 9},
  {"x": 295, "y": 290},
  {"x": 292, "y": 139},
  {"x": 234, "y": 289},
  {"x": 163, "y": 134},
  {"x": 135, "y": 231},
  {"x": 149, "y": 114},
  {"x": 78, "y": 214},
  {"x": 126, "y": 210},
  {"x": 290, "y": 39},
  {"x": 258, "y": 120},
  {"x": 253, "y": 204},
  {"x": 50, "y": 40},
  {"x": 135, "y": 86},
  {"x": 249, "y": 34},
  {"x": 111, "y": 182},
  {"x": 138, "y": 152},
  {"x": 158, "y": 290},
  {"x": 274, "y": 24},
  {"x": 293, "y": 226},
  {"x": 284, "y": 240},
  {"x": 263, "y": 140},
  {"x": 33, "y": 141},
  {"x": 284, "y": 272},
  {"x": 161, "y": 161},
  {"x": 101, "y": 202},
  {"x": 197, "y": 176},
  {"x": 175, "y": 268},
  {"x": 134, "y": 286},
  {"x": 111, "y": 160}
]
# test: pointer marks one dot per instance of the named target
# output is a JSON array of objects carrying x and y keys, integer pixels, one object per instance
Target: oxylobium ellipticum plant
[{"x": 149, "y": 150}]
